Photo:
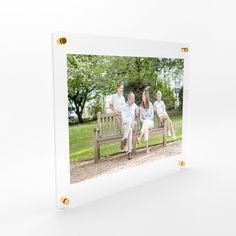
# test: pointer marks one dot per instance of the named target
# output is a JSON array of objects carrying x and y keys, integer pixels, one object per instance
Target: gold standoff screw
[
  {"x": 184, "y": 50},
  {"x": 182, "y": 163},
  {"x": 65, "y": 201},
  {"x": 61, "y": 40}
]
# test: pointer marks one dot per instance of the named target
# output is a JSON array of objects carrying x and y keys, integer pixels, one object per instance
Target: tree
[
  {"x": 144, "y": 74},
  {"x": 86, "y": 80},
  {"x": 139, "y": 76},
  {"x": 181, "y": 99},
  {"x": 167, "y": 94},
  {"x": 90, "y": 77}
]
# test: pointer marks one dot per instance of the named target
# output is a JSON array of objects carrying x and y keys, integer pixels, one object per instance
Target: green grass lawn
[{"x": 81, "y": 140}]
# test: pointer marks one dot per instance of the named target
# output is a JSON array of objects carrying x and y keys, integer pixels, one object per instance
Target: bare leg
[
  {"x": 149, "y": 125},
  {"x": 139, "y": 138},
  {"x": 147, "y": 148},
  {"x": 171, "y": 126},
  {"x": 166, "y": 117},
  {"x": 143, "y": 130}
]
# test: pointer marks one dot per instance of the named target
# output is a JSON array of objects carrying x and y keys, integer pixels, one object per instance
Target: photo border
[{"x": 69, "y": 195}]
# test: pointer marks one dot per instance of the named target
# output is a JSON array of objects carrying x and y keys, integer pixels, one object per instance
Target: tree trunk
[{"x": 80, "y": 119}]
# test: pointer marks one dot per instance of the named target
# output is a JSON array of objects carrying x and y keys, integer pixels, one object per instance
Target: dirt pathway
[{"x": 89, "y": 169}]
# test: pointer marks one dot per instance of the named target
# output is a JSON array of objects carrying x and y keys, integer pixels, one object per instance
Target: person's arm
[
  {"x": 141, "y": 115},
  {"x": 154, "y": 107},
  {"x": 156, "y": 110},
  {"x": 164, "y": 106},
  {"x": 124, "y": 117},
  {"x": 111, "y": 104},
  {"x": 152, "y": 112},
  {"x": 137, "y": 112}
]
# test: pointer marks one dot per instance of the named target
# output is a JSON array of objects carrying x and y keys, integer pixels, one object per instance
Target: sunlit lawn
[{"x": 81, "y": 140}]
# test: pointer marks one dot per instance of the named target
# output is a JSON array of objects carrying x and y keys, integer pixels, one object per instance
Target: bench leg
[
  {"x": 96, "y": 152},
  {"x": 96, "y": 146}
]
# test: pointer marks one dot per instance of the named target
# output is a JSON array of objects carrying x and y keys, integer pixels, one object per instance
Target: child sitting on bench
[{"x": 160, "y": 109}]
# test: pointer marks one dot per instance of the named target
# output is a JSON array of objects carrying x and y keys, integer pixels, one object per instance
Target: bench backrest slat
[
  {"x": 107, "y": 124},
  {"x": 111, "y": 123},
  {"x": 102, "y": 126},
  {"x": 99, "y": 120},
  {"x": 106, "y": 119}
]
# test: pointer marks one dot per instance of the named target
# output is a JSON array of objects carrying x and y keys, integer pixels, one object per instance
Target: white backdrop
[{"x": 196, "y": 201}]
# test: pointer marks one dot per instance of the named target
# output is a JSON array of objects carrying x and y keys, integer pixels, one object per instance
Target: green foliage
[
  {"x": 87, "y": 79},
  {"x": 90, "y": 77},
  {"x": 167, "y": 93},
  {"x": 181, "y": 99},
  {"x": 145, "y": 75},
  {"x": 94, "y": 108}
]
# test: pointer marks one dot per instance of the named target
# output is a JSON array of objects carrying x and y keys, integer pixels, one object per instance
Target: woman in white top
[
  {"x": 160, "y": 109},
  {"x": 146, "y": 117}
]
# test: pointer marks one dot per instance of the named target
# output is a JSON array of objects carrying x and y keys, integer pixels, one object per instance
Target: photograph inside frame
[{"x": 123, "y": 112}]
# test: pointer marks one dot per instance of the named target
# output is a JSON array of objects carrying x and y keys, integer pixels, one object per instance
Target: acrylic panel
[{"x": 120, "y": 113}]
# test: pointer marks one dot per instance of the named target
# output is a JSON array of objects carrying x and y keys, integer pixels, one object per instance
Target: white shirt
[
  {"x": 146, "y": 114},
  {"x": 159, "y": 107},
  {"x": 128, "y": 113},
  {"x": 117, "y": 101}
]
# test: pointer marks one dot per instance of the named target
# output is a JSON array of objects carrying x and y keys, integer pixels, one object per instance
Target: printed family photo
[{"x": 122, "y": 112}]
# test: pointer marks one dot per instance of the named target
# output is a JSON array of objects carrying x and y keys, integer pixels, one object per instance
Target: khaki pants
[
  {"x": 128, "y": 134},
  {"x": 118, "y": 122},
  {"x": 166, "y": 117}
]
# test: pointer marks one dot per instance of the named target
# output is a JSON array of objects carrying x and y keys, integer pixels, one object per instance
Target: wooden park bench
[{"x": 107, "y": 132}]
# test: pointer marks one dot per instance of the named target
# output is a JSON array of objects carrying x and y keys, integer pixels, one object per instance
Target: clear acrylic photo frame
[{"x": 70, "y": 195}]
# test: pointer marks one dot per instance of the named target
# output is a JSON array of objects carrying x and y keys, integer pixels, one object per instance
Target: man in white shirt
[
  {"x": 116, "y": 104},
  {"x": 128, "y": 122}
]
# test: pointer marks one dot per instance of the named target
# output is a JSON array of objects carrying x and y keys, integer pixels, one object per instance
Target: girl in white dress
[{"x": 160, "y": 109}]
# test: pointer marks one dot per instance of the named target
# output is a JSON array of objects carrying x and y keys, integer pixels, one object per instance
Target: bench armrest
[{"x": 96, "y": 129}]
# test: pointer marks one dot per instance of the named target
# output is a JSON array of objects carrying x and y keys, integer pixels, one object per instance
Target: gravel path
[{"x": 89, "y": 169}]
